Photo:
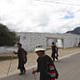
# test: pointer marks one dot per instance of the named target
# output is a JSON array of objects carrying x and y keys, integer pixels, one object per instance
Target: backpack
[
  {"x": 25, "y": 55},
  {"x": 52, "y": 72},
  {"x": 25, "y": 61}
]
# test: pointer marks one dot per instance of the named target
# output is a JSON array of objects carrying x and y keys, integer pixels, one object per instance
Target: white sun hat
[{"x": 39, "y": 49}]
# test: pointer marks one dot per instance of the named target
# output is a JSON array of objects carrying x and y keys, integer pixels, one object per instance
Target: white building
[{"x": 30, "y": 40}]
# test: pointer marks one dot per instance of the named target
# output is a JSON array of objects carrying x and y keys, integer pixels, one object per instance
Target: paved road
[{"x": 69, "y": 69}]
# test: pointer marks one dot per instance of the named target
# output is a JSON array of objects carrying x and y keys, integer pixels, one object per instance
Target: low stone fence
[{"x": 7, "y": 49}]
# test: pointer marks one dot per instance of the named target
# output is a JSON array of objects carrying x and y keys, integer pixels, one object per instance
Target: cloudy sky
[{"x": 54, "y": 16}]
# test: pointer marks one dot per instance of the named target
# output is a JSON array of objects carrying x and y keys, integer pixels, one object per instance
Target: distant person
[
  {"x": 45, "y": 66},
  {"x": 54, "y": 54},
  {"x": 22, "y": 59},
  {"x": 79, "y": 44}
]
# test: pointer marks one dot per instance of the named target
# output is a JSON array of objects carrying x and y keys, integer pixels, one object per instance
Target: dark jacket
[
  {"x": 42, "y": 67},
  {"x": 21, "y": 57},
  {"x": 54, "y": 50}
]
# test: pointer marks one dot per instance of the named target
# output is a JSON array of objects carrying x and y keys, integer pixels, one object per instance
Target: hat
[{"x": 39, "y": 49}]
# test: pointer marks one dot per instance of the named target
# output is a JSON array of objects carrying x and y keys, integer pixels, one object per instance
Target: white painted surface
[{"x": 30, "y": 40}]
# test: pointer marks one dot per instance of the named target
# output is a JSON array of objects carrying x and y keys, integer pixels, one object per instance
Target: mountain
[{"x": 75, "y": 31}]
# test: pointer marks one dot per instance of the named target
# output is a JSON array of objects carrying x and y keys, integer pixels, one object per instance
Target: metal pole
[
  {"x": 34, "y": 75},
  {"x": 9, "y": 66}
]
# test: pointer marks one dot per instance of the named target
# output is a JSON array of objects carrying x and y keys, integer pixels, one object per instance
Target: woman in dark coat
[
  {"x": 21, "y": 58},
  {"x": 42, "y": 65}
]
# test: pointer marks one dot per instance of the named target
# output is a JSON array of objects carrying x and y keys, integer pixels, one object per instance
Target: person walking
[
  {"x": 45, "y": 65},
  {"x": 22, "y": 59},
  {"x": 54, "y": 54}
]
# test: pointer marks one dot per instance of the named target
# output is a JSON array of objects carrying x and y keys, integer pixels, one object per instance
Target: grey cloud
[
  {"x": 43, "y": 21},
  {"x": 37, "y": 16}
]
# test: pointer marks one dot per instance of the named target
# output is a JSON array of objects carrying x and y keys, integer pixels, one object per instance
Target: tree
[{"x": 7, "y": 38}]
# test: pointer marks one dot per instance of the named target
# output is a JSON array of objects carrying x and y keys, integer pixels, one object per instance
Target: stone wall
[{"x": 31, "y": 40}]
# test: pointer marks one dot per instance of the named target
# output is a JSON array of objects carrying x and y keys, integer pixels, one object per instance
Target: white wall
[
  {"x": 31, "y": 40},
  {"x": 59, "y": 43},
  {"x": 71, "y": 41}
]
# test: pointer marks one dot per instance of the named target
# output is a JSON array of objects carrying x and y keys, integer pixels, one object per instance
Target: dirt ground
[{"x": 10, "y": 65}]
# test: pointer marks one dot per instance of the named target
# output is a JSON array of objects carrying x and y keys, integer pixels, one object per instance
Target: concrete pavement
[{"x": 68, "y": 69}]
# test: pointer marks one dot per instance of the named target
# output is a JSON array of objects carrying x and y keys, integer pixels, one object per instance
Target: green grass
[{"x": 4, "y": 58}]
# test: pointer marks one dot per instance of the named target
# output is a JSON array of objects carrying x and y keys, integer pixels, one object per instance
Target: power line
[{"x": 57, "y": 2}]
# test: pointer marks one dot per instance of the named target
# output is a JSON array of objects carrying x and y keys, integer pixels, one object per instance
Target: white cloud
[{"x": 39, "y": 15}]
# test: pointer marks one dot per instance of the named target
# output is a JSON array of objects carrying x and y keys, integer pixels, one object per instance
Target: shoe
[
  {"x": 24, "y": 71},
  {"x": 18, "y": 67},
  {"x": 21, "y": 73}
]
